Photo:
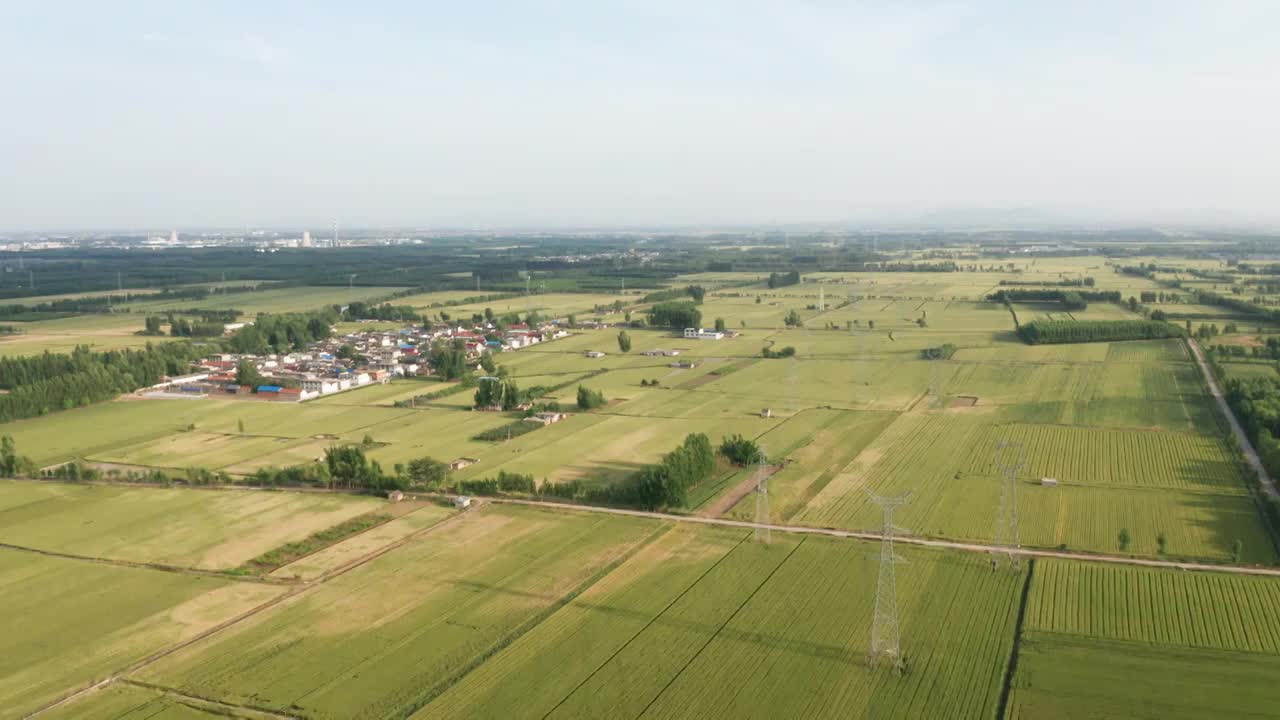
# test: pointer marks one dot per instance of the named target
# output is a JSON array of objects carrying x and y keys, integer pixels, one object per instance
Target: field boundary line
[
  {"x": 241, "y": 710},
  {"x": 296, "y": 590},
  {"x": 906, "y": 539},
  {"x": 646, "y": 626},
  {"x": 530, "y": 624},
  {"x": 1012, "y": 668},
  {"x": 1246, "y": 446},
  {"x": 164, "y": 652},
  {"x": 720, "y": 629},
  {"x": 137, "y": 565}
]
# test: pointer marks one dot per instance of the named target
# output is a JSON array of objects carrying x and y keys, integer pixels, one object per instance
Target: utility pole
[
  {"x": 764, "y": 534},
  {"x": 884, "y": 628},
  {"x": 1009, "y": 458}
]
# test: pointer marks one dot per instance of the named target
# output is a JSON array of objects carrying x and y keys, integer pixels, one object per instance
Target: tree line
[
  {"x": 278, "y": 333},
  {"x": 1256, "y": 404},
  {"x": 697, "y": 292},
  {"x": 783, "y": 279},
  {"x": 1046, "y": 332},
  {"x": 50, "y": 382}
]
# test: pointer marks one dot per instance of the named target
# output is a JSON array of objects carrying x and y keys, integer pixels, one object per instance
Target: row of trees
[
  {"x": 1256, "y": 404},
  {"x": 50, "y": 382},
  {"x": 667, "y": 483},
  {"x": 1080, "y": 331},
  {"x": 777, "y": 280},
  {"x": 697, "y": 292},
  {"x": 1066, "y": 282},
  {"x": 1071, "y": 299},
  {"x": 386, "y": 311},
  {"x": 1243, "y": 306},
  {"x": 942, "y": 352},
  {"x": 589, "y": 399},
  {"x": 494, "y": 393},
  {"x": 740, "y": 450},
  {"x": 271, "y": 333}
]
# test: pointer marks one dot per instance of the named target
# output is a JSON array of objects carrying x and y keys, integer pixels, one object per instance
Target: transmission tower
[
  {"x": 1009, "y": 458},
  {"x": 933, "y": 384},
  {"x": 763, "y": 533},
  {"x": 884, "y": 628}
]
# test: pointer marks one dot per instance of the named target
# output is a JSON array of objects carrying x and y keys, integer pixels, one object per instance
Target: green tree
[
  {"x": 793, "y": 319},
  {"x": 487, "y": 363},
  {"x": 1124, "y": 538},
  {"x": 589, "y": 399},
  {"x": 740, "y": 450},
  {"x": 247, "y": 374},
  {"x": 720, "y": 325},
  {"x": 428, "y": 472},
  {"x": 624, "y": 342}
]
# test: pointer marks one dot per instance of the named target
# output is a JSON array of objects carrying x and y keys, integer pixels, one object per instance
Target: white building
[{"x": 702, "y": 334}]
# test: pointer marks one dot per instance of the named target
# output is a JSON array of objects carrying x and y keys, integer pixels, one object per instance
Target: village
[{"x": 345, "y": 362}]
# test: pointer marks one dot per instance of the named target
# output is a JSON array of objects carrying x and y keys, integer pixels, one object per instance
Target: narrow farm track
[
  {"x": 1250, "y": 455},
  {"x": 233, "y": 710},
  {"x": 905, "y": 539},
  {"x": 296, "y": 589},
  {"x": 261, "y": 580}
]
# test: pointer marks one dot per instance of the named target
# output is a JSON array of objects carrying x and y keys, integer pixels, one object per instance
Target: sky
[{"x": 135, "y": 114}]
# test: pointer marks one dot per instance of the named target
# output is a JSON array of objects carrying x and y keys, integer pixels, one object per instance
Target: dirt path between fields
[
  {"x": 727, "y": 500},
  {"x": 294, "y": 591},
  {"x": 1250, "y": 455},
  {"x": 200, "y": 572},
  {"x": 905, "y": 539}
]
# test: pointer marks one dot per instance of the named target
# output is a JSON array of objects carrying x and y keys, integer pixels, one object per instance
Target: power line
[
  {"x": 1008, "y": 458},
  {"x": 764, "y": 535},
  {"x": 884, "y": 627}
]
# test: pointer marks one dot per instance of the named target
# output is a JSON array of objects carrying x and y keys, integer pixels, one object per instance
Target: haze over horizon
[{"x": 152, "y": 114}]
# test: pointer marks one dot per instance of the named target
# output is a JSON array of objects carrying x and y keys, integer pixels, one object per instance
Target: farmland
[
  {"x": 430, "y": 609},
  {"x": 508, "y": 610},
  {"x": 214, "y": 530},
  {"x": 80, "y": 621},
  {"x": 1130, "y": 642}
]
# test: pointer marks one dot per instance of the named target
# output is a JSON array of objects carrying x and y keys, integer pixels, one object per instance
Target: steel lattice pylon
[
  {"x": 763, "y": 533},
  {"x": 1009, "y": 459},
  {"x": 884, "y": 627}
]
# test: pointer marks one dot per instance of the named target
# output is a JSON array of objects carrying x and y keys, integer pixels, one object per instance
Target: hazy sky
[{"x": 156, "y": 114}]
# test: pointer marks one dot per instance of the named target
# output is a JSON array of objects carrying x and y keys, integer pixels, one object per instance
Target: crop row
[
  {"x": 1198, "y": 610},
  {"x": 1097, "y": 456}
]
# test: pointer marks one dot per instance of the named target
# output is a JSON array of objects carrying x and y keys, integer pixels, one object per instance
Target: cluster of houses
[{"x": 346, "y": 362}]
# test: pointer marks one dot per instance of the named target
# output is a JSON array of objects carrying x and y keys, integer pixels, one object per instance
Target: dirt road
[
  {"x": 1250, "y": 455},
  {"x": 905, "y": 539}
]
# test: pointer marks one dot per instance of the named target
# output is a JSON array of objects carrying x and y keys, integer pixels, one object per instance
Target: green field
[
  {"x": 430, "y": 610},
  {"x": 70, "y": 623},
  {"x": 700, "y": 611},
  {"x": 510, "y": 611},
  {"x": 194, "y": 528},
  {"x": 1112, "y": 642}
]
